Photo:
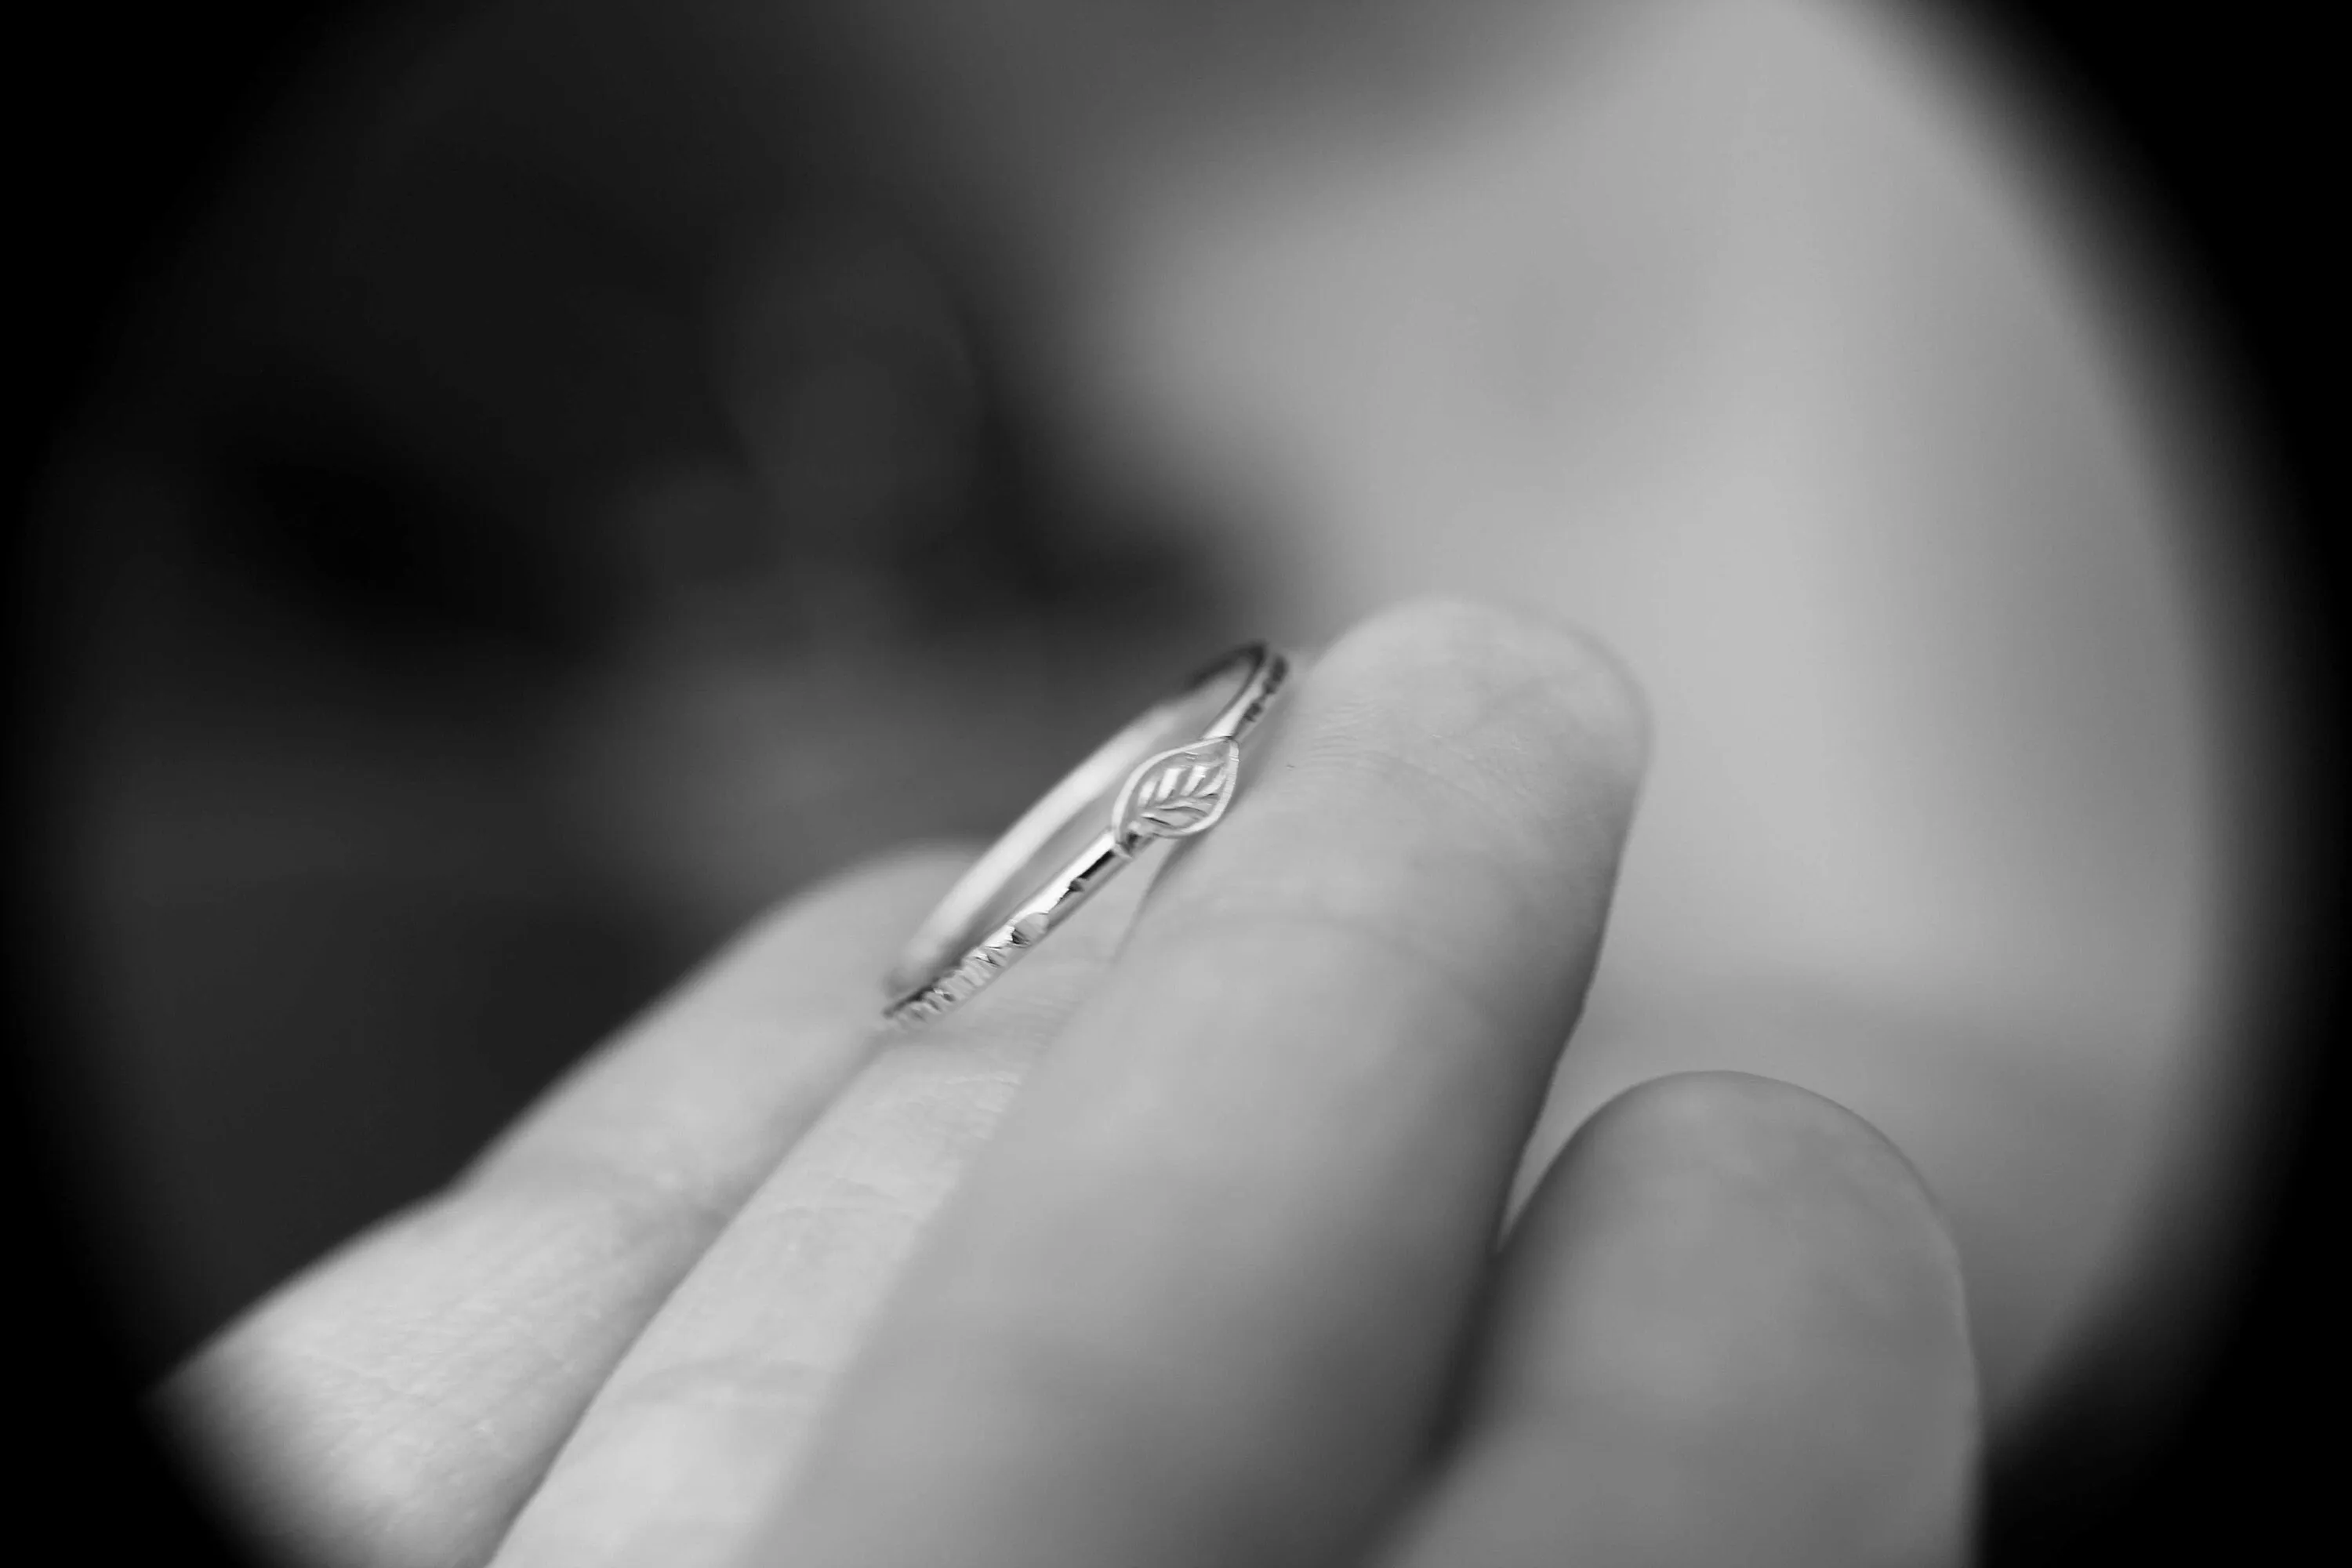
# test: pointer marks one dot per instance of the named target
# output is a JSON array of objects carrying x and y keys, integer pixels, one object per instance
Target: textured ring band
[{"x": 1169, "y": 775}]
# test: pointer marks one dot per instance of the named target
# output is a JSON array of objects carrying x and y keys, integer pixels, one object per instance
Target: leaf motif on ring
[{"x": 1177, "y": 794}]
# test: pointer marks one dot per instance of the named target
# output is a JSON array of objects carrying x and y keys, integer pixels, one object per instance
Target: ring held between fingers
[{"x": 1198, "y": 1302}]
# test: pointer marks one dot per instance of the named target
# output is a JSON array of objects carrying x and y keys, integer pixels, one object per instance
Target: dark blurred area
[
  {"x": 525, "y": 487},
  {"x": 526, "y": 426}
]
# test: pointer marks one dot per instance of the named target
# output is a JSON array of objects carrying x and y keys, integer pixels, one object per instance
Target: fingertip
[
  {"x": 1522, "y": 667},
  {"x": 1730, "y": 1187},
  {"x": 1730, "y": 1326},
  {"x": 1772, "y": 1146}
]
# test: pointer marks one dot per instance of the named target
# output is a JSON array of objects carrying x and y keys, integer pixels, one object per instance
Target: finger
[
  {"x": 703, "y": 1420},
  {"x": 1195, "y": 1303},
  {"x": 1727, "y": 1330},
  {"x": 392, "y": 1405}
]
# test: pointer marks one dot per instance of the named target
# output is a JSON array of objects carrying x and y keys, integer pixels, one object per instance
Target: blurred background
[{"x": 574, "y": 473}]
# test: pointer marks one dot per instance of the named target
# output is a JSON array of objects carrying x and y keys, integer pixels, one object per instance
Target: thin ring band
[{"x": 1168, "y": 774}]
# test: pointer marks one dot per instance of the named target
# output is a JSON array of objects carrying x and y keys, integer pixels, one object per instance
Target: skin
[
  {"x": 1755, "y": 334},
  {"x": 1220, "y": 1285}
]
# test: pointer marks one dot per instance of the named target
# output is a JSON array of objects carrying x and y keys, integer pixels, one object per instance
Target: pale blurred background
[{"x": 604, "y": 465}]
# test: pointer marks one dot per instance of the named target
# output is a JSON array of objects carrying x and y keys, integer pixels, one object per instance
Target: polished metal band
[{"x": 1169, "y": 775}]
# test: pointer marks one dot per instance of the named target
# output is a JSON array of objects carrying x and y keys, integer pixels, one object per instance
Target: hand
[{"x": 1223, "y": 1288}]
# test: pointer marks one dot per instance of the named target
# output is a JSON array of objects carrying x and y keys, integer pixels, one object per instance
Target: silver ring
[{"x": 1169, "y": 775}]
